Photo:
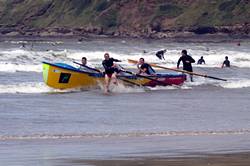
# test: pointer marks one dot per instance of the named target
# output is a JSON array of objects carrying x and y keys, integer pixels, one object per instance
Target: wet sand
[{"x": 235, "y": 159}]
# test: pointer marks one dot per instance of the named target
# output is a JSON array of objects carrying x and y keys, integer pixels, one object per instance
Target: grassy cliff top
[{"x": 124, "y": 15}]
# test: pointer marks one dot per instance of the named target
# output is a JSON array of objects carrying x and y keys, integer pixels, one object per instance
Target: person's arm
[
  {"x": 178, "y": 63},
  {"x": 198, "y": 62},
  {"x": 139, "y": 71},
  {"x": 192, "y": 60},
  {"x": 116, "y": 60},
  {"x": 222, "y": 64},
  {"x": 151, "y": 69},
  {"x": 141, "y": 68},
  {"x": 138, "y": 66},
  {"x": 144, "y": 70},
  {"x": 105, "y": 65}
]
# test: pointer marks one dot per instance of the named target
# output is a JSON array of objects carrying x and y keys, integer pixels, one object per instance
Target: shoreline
[
  {"x": 231, "y": 159},
  {"x": 210, "y": 38}
]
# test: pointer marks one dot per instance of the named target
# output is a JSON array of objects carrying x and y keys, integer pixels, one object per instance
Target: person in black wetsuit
[
  {"x": 145, "y": 68},
  {"x": 200, "y": 61},
  {"x": 111, "y": 71},
  {"x": 160, "y": 54},
  {"x": 226, "y": 62},
  {"x": 187, "y": 63}
]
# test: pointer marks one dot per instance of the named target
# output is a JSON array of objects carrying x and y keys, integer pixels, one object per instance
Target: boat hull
[{"x": 63, "y": 76}]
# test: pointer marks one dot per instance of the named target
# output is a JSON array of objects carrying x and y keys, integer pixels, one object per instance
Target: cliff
[{"x": 133, "y": 18}]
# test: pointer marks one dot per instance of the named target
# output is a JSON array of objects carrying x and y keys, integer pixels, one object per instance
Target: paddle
[
  {"x": 178, "y": 70},
  {"x": 87, "y": 67},
  {"x": 133, "y": 83},
  {"x": 147, "y": 77}
]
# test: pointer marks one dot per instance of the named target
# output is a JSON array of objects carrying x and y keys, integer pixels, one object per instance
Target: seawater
[{"x": 39, "y": 124}]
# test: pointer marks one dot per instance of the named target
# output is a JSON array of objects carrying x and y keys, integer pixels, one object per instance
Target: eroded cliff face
[{"x": 134, "y": 18}]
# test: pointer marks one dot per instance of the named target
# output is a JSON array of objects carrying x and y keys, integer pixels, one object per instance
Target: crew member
[{"x": 187, "y": 63}]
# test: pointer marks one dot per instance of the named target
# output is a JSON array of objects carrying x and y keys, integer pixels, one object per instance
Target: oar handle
[
  {"x": 87, "y": 67},
  {"x": 216, "y": 78},
  {"x": 147, "y": 77},
  {"x": 178, "y": 70},
  {"x": 77, "y": 63}
]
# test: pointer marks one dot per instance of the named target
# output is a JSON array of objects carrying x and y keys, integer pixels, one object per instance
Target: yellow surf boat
[{"x": 64, "y": 76}]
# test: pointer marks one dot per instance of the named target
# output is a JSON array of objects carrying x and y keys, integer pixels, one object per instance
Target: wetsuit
[
  {"x": 107, "y": 64},
  {"x": 186, "y": 60},
  {"x": 149, "y": 69},
  {"x": 200, "y": 61},
  {"x": 160, "y": 54},
  {"x": 226, "y": 63}
]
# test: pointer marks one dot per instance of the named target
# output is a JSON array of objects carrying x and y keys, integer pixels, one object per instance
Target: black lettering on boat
[{"x": 64, "y": 78}]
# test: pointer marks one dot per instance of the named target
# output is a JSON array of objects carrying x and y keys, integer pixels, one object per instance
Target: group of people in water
[
  {"x": 226, "y": 62},
  {"x": 111, "y": 69}
]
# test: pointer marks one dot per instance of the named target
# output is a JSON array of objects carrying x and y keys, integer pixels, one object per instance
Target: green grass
[
  {"x": 169, "y": 11},
  {"x": 106, "y": 14}
]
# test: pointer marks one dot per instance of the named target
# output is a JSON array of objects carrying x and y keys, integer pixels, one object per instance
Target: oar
[
  {"x": 133, "y": 83},
  {"x": 96, "y": 70},
  {"x": 142, "y": 76},
  {"x": 178, "y": 70}
]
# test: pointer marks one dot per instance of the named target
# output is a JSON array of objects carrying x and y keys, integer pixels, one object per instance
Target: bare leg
[
  {"x": 107, "y": 82},
  {"x": 114, "y": 77}
]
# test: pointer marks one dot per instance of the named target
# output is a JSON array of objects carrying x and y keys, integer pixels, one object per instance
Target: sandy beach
[{"x": 235, "y": 159}]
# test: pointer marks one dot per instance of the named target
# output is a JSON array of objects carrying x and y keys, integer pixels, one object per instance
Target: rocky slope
[{"x": 133, "y": 18}]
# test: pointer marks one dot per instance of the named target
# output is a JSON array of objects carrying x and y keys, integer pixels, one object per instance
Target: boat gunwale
[{"x": 98, "y": 75}]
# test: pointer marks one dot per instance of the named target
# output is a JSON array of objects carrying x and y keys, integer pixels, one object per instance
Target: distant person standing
[
  {"x": 226, "y": 62},
  {"x": 187, "y": 63},
  {"x": 160, "y": 54},
  {"x": 201, "y": 60}
]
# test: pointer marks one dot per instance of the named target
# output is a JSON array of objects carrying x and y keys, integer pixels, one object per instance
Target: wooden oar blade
[{"x": 132, "y": 61}]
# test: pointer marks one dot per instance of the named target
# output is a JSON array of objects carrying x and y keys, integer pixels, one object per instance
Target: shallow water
[{"x": 43, "y": 126}]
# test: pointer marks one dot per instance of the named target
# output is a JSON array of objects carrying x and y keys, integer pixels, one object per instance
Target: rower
[
  {"x": 144, "y": 68},
  {"x": 84, "y": 67}
]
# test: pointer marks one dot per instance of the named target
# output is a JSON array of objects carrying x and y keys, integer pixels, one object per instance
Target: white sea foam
[
  {"x": 121, "y": 88},
  {"x": 214, "y": 57},
  {"x": 234, "y": 84},
  {"x": 28, "y": 87},
  {"x": 8, "y": 67}
]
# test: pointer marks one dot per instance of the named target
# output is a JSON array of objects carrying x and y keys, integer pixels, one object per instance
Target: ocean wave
[
  {"x": 40, "y": 87},
  {"x": 31, "y": 87},
  {"x": 45, "y": 136},
  {"x": 9, "y": 67},
  {"x": 213, "y": 58},
  {"x": 32, "y": 42},
  {"x": 236, "y": 84}
]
